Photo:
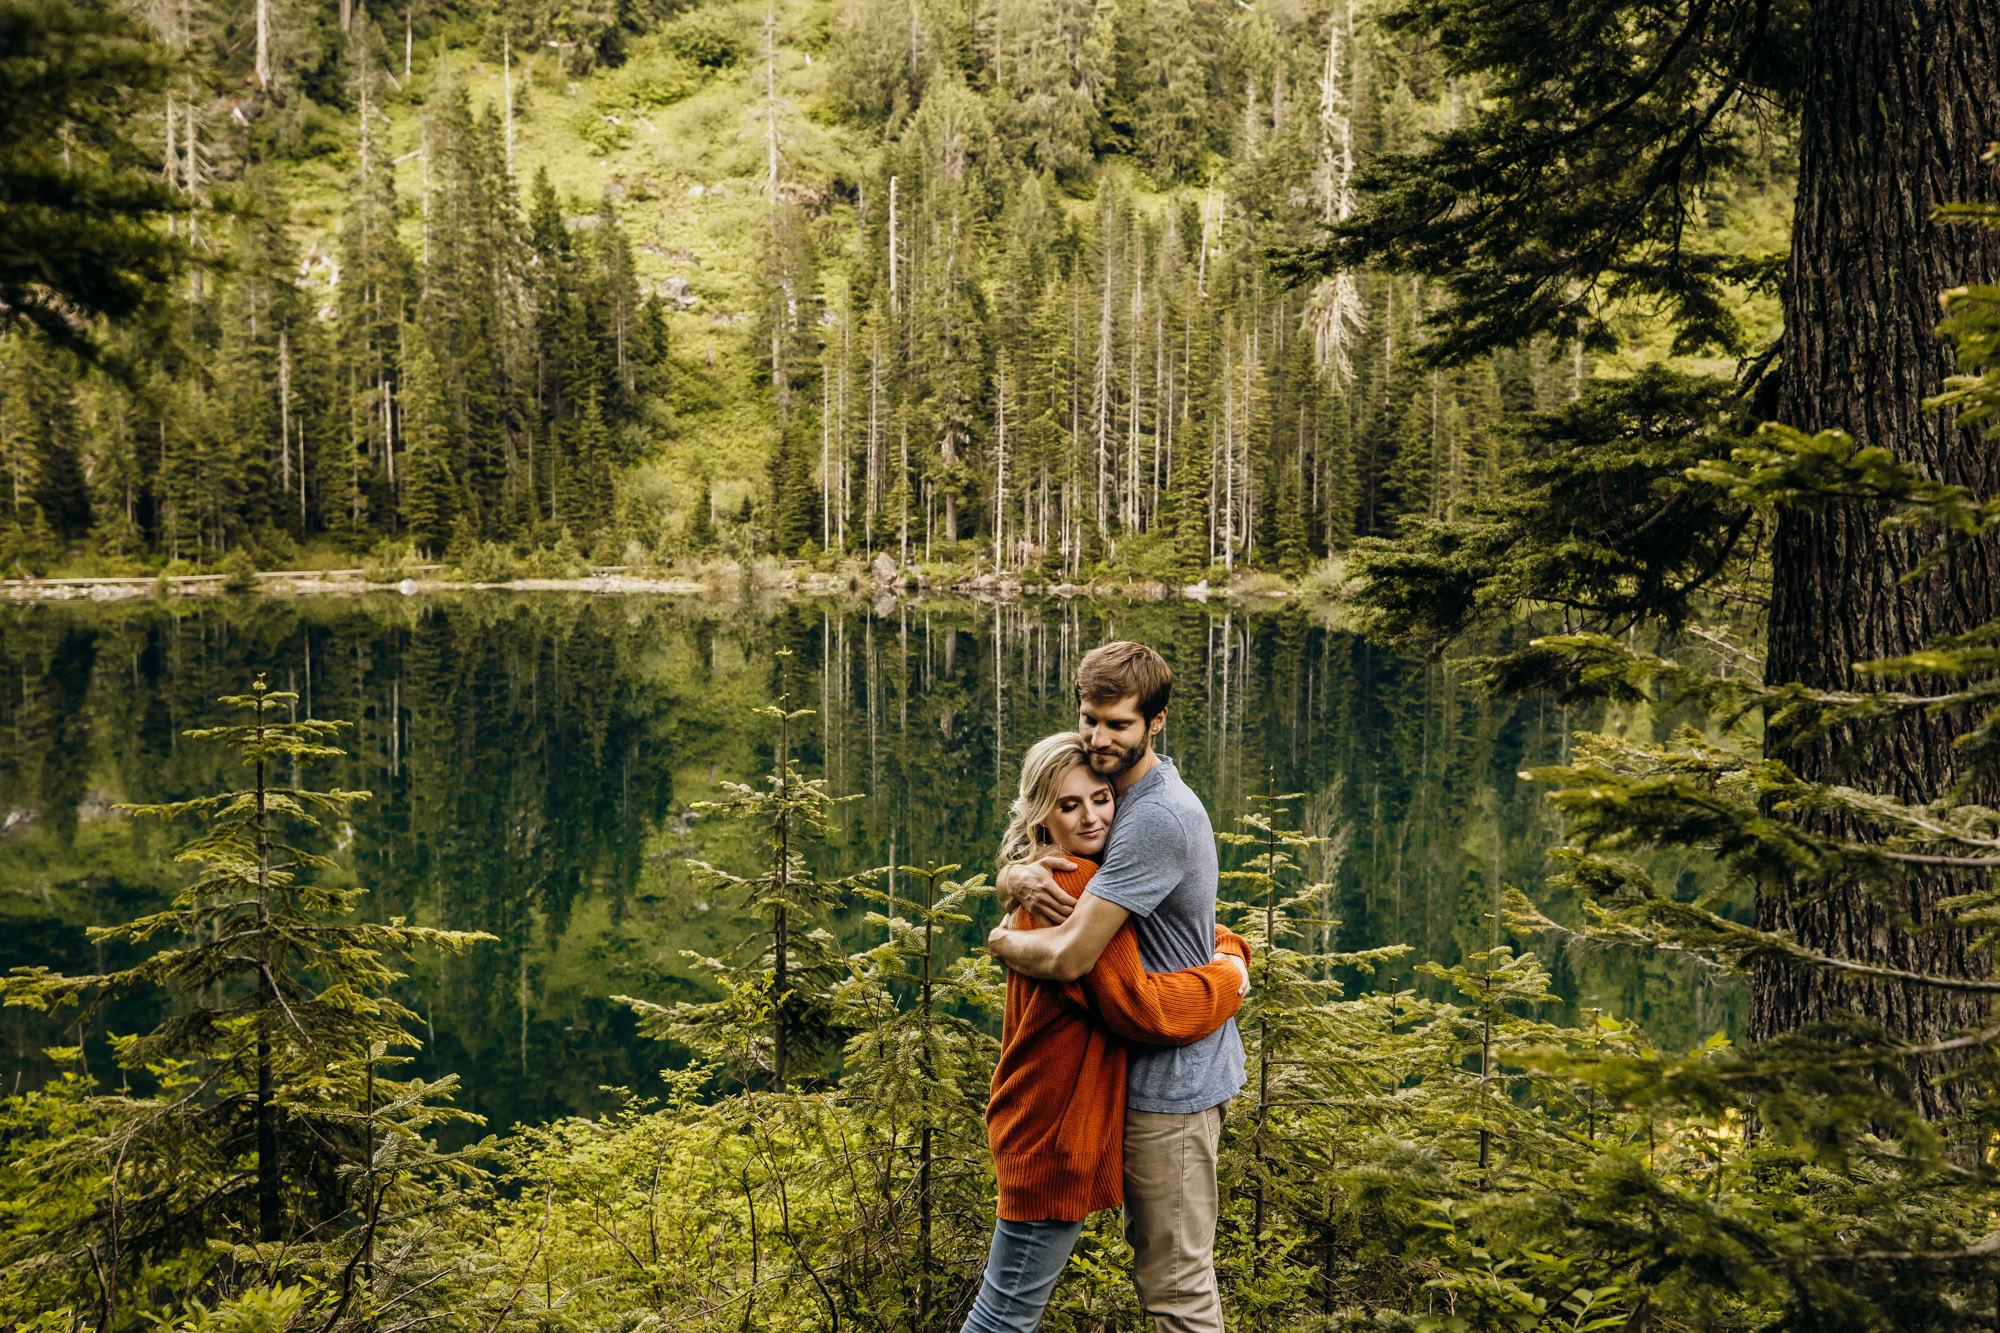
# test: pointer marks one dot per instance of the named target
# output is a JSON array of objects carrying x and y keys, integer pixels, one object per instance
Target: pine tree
[
  {"x": 83, "y": 199},
  {"x": 796, "y": 506},
  {"x": 1025, "y": 269},
  {"x": 469, "y": 262},
  {"x": 1410, "y": 482},
  {"x": 701, "y": 518},
  {"x": 1291, "y": 1019},
  {"x": 265, "y": 1118},
  {"x": 1849, "y": 1105},
  {"x": 1595, "y": 517},
  {"x": 21, "y": 427},
  {"x": 1170, "y": 124},
  {"x": 48, "y": 387},
  {"x": 258, "y": 358},
  {"x": 775, "y": 1021},
  {"x": 373, "y": 300},
  {"x": 1591, "y": 160},
  {"x": 245, "y": 415},
  {"x": 919, "y": 1075},
  {"x": 558, "y": 345},
  {"x": 1051, "y": 62},
  {"x": 1286, "y": 528},
  {"x": 431, "y": 504},
  {"x": 117, "y": 481}
]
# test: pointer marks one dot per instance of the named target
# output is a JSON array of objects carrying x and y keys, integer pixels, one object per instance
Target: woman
[{"x": 1056, "y": 1120}]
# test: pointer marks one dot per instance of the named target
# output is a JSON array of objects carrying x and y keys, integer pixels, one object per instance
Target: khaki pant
[{"x": 1170, "y": 1211}]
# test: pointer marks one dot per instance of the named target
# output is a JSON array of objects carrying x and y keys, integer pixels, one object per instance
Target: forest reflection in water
[{"x": 534, "y": 758}]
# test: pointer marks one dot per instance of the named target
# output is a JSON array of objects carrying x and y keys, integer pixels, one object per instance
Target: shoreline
[{"x": 618, "y": 580}]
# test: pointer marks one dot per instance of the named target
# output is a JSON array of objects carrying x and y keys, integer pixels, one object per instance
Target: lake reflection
[{"x": 534, "y": 758}]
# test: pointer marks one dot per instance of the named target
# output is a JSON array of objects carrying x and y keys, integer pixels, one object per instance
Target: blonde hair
[{"x": 1043, "y": 769}]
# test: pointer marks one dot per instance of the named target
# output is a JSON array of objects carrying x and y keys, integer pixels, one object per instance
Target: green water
[{"x": 533, "y": 760}]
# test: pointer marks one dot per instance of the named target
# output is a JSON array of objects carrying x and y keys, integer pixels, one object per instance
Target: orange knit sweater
[{"x": 1056, "y": 1121}]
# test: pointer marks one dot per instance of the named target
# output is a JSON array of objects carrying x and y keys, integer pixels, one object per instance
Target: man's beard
[{"x": 1115, "y": 761}]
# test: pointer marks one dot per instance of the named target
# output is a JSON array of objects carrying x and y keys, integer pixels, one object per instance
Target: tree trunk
[
  {"x": 1901, "y": 98},
  {"x": 926, "y": 1148},
  {"x": 264, "y": 44},
  {"x": 270, "y": 1204},
  {"x": 780, "y": 993},
  {"x": 781, "y": 868}
]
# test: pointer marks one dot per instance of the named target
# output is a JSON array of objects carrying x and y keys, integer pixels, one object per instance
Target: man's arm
[
  {"x": 1061, "y": 952},
  {"x": 1164, "y": 1008},
  {"x": 1031, "y": 884}
]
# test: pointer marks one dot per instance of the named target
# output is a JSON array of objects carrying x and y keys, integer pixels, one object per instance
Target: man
[{"x": 1160, "y": 870}]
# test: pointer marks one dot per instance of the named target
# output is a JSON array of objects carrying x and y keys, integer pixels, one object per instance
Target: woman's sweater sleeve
[{"x": 1161, "y": 1008}]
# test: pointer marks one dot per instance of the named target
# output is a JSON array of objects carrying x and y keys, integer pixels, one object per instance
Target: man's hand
[
  {"x": 1243, "y": 986},
  {"x": 1032, "y": 884}
]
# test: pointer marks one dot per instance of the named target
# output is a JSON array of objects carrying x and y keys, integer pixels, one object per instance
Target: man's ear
[{"x": 1159, "y": 721}]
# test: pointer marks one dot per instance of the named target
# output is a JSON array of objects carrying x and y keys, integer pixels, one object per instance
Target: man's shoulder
[
  {"x": 1176, "y": 800},
  {"x": 1146, "y": 821}
]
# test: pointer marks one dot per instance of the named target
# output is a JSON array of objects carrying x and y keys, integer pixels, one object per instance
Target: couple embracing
[{"x": 1119, "y": 1047}]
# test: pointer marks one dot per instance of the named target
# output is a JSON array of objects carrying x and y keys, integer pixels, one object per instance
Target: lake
[{"x": 534, "y": 759}]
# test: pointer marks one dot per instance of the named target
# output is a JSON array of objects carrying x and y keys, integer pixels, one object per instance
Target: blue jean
[{"x": 1021, "y": 1272}]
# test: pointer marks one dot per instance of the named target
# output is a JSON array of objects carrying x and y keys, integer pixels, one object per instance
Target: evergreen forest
[
  {"x": 963, "y": 284},
  {"x": 1560, "y": 434}
]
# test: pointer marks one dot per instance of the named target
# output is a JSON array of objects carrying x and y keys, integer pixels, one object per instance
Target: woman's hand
[{"x": 1243, "y": 986}]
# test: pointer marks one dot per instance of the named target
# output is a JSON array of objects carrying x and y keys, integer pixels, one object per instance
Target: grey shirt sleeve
[{"x": 1147, "y": 860}]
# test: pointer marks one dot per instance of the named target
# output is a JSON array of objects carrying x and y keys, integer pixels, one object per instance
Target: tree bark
[{"x": 1901, "y": 97}]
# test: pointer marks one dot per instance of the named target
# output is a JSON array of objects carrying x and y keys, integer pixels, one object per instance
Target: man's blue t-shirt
[{"x": 1160, "y": 866}]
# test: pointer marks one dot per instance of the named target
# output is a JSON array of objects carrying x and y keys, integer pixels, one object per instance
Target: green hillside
[{"x": 673, "y": 145}]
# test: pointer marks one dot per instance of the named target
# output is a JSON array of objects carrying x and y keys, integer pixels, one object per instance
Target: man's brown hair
[{"x": 1121, "y": 670}]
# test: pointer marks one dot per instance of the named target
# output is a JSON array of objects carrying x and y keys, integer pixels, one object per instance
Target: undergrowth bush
[
  {"x": 660, "y": 79},
  {"x": 558, "y": 560},
  {"x": 391, "y": 561},
  {"x": 704, "y": 38},
  {"x": 103, "y": 565},
  {"x": 486, "y": 562},
  {"x": 239, "y": 572}
]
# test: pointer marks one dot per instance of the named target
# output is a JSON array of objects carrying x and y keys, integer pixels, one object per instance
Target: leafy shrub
[
  {"x": 618, "y": 548},
  {"x": 1331, "y": 577},
  {"x": 488, "y": 562},
  {"x": 704, "y": 39},
  {"x": 300, "y": 128},
  {"x": 559, "y": 560},
  {"x": 659, "y": 86},
  {"x": 1260, "y": 582},
  {"x": 1150, "y": 556},
  {"x": 390, "y": 562},
  {"x": 661, "y": 81},
  {"x": 27, "y": 549},
  {"x": 604, "y": 131},
  {"x": 104, "y": 565},
  {"x": 274, "y": 547},
  {"x": 239, "y": 572}
]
